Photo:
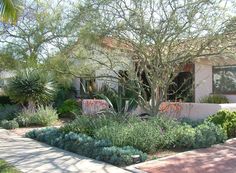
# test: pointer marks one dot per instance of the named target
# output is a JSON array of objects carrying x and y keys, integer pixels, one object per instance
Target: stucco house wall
[
  {"x": 203, "y": 80},
  {"x": 203, "y": 77}
]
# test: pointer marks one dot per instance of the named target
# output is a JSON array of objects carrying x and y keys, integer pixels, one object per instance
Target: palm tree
[{"x": 9, "y": 10}]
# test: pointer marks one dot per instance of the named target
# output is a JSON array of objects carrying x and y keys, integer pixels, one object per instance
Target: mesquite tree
[{"x": 159, "y": 38}]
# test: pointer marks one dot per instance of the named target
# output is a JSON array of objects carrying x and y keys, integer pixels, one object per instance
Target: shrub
[
  {"x": 227, "y": 120},
  {"x": 44, "y": 116},
  {"x": 208, "y": 134},
  {"x": 193, "y": 123},
  {"x": 23, "y": 121},
  {"x": 69, "y": 107},
  {"x": 32, "y": 87},
  {"x": 12, "y": 124},
  {"x": 184, "y": 137},
  {"x": 214, "y": 99},
  {"x": 8, "y": 112},
  {"x": 87, "y": 124},
  {"x": 64, "y": 93},
  {"x": 87, "y": 146},
  {"x": 148, "y": 136},
  {"x": 5, "y": 100}
]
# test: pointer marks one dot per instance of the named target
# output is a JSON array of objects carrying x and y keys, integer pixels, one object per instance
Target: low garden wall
[
  {"x": 194, "y": 111},
  {"x": 93, "y": 106}
]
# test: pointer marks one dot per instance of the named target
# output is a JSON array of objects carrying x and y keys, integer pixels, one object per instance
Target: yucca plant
[{"x": 31, "y": 87}]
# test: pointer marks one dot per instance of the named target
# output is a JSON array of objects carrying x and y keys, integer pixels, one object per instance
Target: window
[{"x": 224, "y": 79}]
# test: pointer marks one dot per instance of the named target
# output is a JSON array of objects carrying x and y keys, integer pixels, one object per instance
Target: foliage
[
  {"x": 184, "y": 137},
  {"x": 88, "y": 124},
  {"x": 70, "y": 106},
  {"x": 87, "y": 146},
  {"x": 208, "y": 134},
  {"x": 7, "y": 168},
  {"x": 120, "y": 101},
  {"x": 63, "y": 94},
  {"x": 227, "y": 120},
  {"x": 32, "y": 87},
  {"x": 9, "y": 10},
  {"x": 5, "y": 100},
  {"x": 24, "y": 116},
  {"x": 171, "y": 37},
  {"x": 8, "y": 112},
  {"x": 161, "y": 133},
  {"x": 215, "y": 98},
  {"x": 193, "y": 123},
  {"x": 11, "y": 124},
  {"x": 148, "y": 136},
  {"x": 44, "y": 116}
]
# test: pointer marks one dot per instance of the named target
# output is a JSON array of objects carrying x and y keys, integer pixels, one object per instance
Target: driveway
[{"x": 217, "y": 159}]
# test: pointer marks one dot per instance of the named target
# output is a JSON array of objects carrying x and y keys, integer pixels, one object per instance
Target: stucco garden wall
[{"x": 194, "y": 111}]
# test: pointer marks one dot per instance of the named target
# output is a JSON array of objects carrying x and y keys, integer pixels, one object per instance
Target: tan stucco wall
[
  {"x": 203, "y": 80},
  {"x": 194, "y": 111}
]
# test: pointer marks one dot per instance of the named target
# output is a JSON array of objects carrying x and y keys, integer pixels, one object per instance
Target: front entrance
[{"x": 182, "y": 87}]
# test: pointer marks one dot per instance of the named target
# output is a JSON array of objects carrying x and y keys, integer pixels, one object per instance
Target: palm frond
[{"x": 9, "y": 10}]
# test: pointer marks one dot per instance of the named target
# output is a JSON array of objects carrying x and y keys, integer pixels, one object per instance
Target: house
[{"x": 203, "y": 77}]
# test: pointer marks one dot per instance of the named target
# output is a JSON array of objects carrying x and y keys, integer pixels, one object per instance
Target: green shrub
[
  {"x": 8, "y": 112},
  {"x": 214, "y": 99},
  {"x": 208, "y": 134},
  {"x": 22, "y": 120},
  {"x": 63, "y": 93},
  {"x": 184, "y": 137},
  {"x": 148, "y": 136},
  {"x": 227, "y": 120},
  {"x": 69, "y": 107},
  {"x": 12, "y": 124},
  {"x": 193, "y": 123},
  {"x": 5, "y": 100},
  {"x": 44, "y": 116},
  {"x": 87, "y": 146},
  {"x": 87, "y": 124}
]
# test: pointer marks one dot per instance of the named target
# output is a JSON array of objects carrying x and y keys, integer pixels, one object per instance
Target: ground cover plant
[
  {"x": 7, "y": 168},
  {"x": 116, "y": 139},
  {"x": 149, "y": 135},
  {"x": 42, "y": 116},
  {"x": 85, "y": 145}
]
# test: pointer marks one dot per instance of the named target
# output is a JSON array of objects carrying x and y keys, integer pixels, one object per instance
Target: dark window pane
[{"x": 224, "y": 79}]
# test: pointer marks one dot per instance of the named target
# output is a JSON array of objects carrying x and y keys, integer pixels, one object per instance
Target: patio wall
[{"x": 194, "y": 111}]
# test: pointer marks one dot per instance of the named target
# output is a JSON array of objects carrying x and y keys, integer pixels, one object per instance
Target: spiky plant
[
  {"x": 9, "y": 10},
  {"x": 32, "y": 87}
]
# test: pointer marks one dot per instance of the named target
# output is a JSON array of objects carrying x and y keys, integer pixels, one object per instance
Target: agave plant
[
  {"x": 32, "y": 87},
  {"x": 120, "y": 103}
]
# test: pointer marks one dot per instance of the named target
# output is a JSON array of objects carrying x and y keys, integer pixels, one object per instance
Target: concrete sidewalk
[
  {"x": 31, "y": 156},
  {"x": 217, "y": 159}
]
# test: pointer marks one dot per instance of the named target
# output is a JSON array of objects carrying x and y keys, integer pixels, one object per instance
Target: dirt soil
[{"x": 22, "y": 131}]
